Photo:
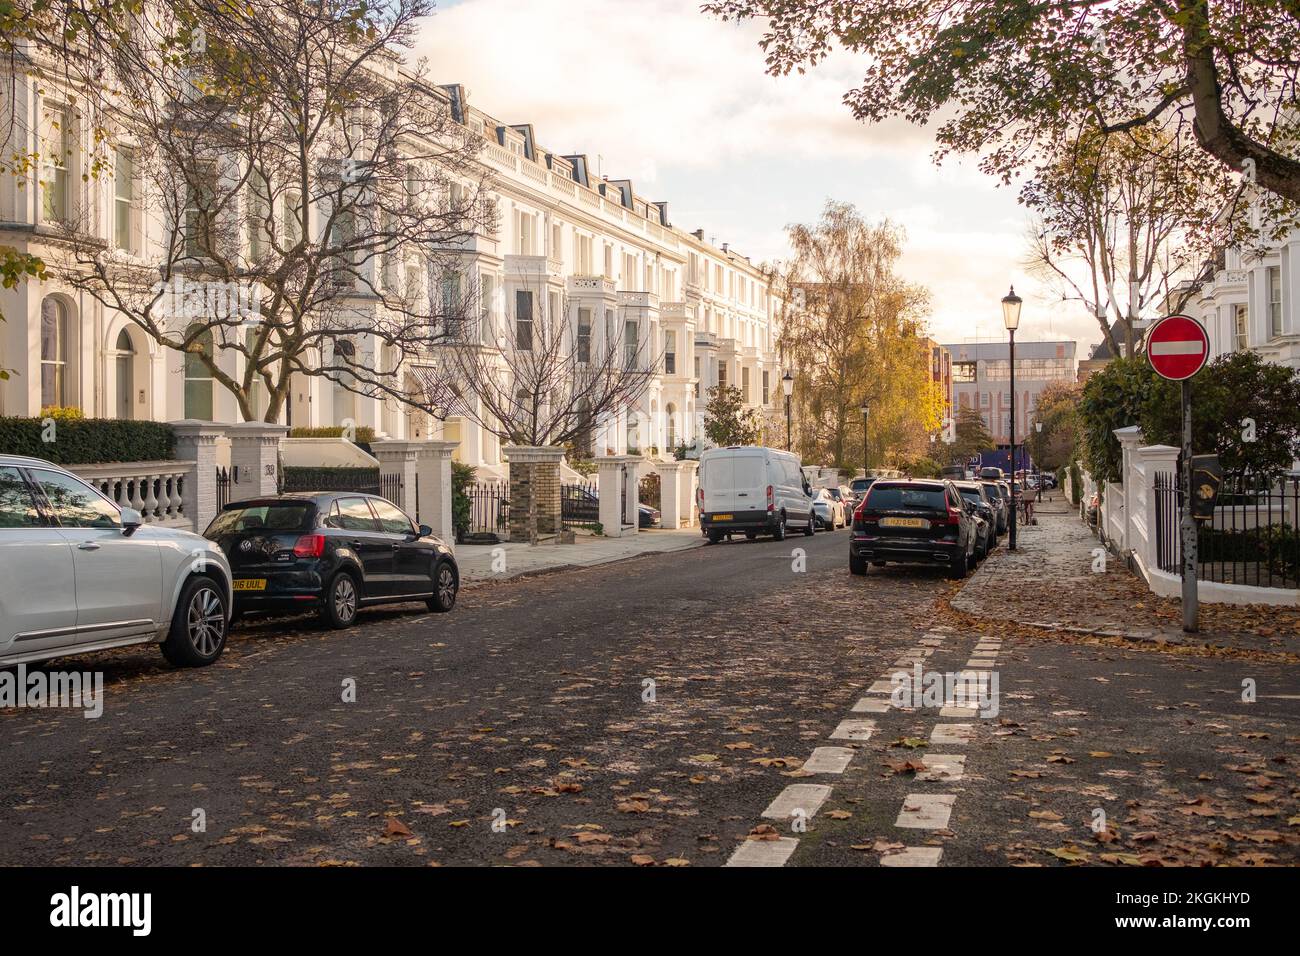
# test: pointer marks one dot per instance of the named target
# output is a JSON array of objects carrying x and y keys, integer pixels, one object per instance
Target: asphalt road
[{"x": 521, "y": 729}]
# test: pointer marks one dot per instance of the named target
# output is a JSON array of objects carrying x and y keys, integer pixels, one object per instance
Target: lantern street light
[
  {"x": 1011, "y": 319},
  {"x": 787, "y": 386}
]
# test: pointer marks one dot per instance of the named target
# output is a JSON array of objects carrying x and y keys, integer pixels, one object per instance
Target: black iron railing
[
  {"x": 579, "y": 505},
  {"x": 225, "y": 478},
  {"x": 489, "y": 508},
  {"x": 1251, "y": 539}
]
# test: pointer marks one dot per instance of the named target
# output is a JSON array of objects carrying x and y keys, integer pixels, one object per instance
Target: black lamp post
[
  {"x": 1011, "y": 318},
  {"x": 787, "y": 386},
  {"x": 866, "y": 450}
]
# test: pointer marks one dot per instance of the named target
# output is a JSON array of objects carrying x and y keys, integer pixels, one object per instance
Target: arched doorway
[{"x": 124, "y": 364}]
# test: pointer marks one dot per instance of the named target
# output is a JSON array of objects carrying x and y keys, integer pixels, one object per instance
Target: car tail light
[
  {"x": 771, "y": 499},
  {"x": 954, "y": 517},
  {"x": 309, "y": 546}
]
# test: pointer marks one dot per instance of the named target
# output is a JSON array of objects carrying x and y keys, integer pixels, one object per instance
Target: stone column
[
  {"x": 689, "y": 482},
  {"x": 1129, "y": 439},
  {"x": 632, "y": 475},
  {"x": 1156, "y": 459},
  {"x": 197, "y": 442},
  {"x": 676, "y": 491},
  {"x": 535, "y": 480},
  {"x": 401, "y": 458},
  {"x": 254, "y": 457},
  {"x": 433, "y": 465},
  {"x": 610, "y": 488}
]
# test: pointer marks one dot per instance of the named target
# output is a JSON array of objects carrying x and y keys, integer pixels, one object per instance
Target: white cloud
[
  {"x": 650, "y": 79},
  {"x": 680, "y": 102}
]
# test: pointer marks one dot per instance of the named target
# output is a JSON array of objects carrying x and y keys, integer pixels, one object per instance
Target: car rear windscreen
[
  {"x": 994, "y": 490},
  {"x": 276, "y": 516},
  {"x": 901, "y": 497}
]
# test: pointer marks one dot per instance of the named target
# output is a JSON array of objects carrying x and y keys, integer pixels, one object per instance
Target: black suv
[
  {"x": 914, "y": 521},
  {"x": 333, "y": 552}
]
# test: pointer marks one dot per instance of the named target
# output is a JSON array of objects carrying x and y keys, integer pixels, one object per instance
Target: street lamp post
[
  {"x": 787, "y": 386},
  {"x": 866, "y": 451},
  {"x": 1011, "y": 318}
]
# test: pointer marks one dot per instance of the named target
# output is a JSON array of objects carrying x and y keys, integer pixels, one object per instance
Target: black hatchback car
[
  {"x": 914, "y": 521},
  {"x": 334, "y": 552}
]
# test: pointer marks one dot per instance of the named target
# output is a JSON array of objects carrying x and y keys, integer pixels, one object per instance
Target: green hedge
[{"x": 87, "y": 441}]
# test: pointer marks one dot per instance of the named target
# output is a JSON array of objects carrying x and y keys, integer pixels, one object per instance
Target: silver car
[{"x": 79, "y": 574}]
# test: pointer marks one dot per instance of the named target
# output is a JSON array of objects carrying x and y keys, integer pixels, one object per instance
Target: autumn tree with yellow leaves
[{"x": 852, "y": 332}]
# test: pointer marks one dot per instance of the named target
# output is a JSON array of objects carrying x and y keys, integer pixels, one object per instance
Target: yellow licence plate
[
  {"x": 249, "y": 584},
  {"x": 724, "y": 517},
  {"x": 903, "y": 522}
]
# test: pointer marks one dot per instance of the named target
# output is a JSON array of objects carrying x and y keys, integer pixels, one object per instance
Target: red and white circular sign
[{"x": 1178, "y": 347}]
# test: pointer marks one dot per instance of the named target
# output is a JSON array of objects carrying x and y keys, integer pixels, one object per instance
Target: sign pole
[
  {"x": 1178, "y": 348},
  {"x": 1191, "y": 600}
]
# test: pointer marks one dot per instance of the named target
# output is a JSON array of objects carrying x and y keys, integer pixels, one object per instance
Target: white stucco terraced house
[{"x": 564, "y": 232}]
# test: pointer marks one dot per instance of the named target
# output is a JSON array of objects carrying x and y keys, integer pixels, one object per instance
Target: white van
[{"x": 751, "y": 490}]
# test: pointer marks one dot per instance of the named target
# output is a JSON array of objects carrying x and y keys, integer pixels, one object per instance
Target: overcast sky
[{"x": 679, "y": 102}]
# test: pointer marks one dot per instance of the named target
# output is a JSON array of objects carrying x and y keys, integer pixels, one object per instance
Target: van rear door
[
  {"x": 751, "y": 479},
  {"x": 717, "y": 480}
]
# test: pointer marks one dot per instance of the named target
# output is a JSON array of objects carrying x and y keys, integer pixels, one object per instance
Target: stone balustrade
[{"x": 156, "y": 489}]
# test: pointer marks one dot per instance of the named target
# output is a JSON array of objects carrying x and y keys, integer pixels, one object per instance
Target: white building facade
[
  {"x": 592, "y": 246},
  {"x": 1250, "y": 302}
]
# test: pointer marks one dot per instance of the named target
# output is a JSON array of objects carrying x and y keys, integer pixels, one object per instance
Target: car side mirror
[
  {"x": 131, "y": 520},
  {"x": 425, "y": 531}
]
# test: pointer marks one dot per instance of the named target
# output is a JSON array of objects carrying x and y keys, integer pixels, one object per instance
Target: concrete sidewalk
[
  {"x": 500, "y": 562},
  {"x": 1056, "y": 580}
]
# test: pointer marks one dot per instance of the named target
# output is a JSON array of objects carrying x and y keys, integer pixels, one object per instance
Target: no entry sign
[{"x": 1178, "y": 347}]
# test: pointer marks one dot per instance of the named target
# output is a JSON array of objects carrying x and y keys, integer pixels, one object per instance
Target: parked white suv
[
  {"x": 753, "y": 490},
  {"x": 78, "y": 574}
]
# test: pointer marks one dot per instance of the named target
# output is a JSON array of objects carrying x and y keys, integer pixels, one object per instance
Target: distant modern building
[
  {"x": 941, "y": 372},
  {"x": 981, "y": 374}
]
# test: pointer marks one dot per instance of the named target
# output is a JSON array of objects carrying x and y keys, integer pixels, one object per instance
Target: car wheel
[
  {"x": 445, "y": 586},
  {"x": 342, "y": 598},
  {"x": 960, "y": 568},
  {"x": 715, "y": 537},
  {"x": 811, "y": 528},
  {"x": 751, "y": 535},
  {"x": 199, "y": 625},
  {"x": 779, "y": 533},
  {"x": 857, "y": 564}
]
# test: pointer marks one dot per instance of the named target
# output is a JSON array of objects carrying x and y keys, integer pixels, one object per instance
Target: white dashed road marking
[
  {"x": 854, "y": 730},
  {"x": 807, "y": 797},
  {"x": 763, "y": 852},
  {"x": 947, "y": 734},
  {"x": 829, "y": 760},
  {"x": 925, "y": 811},
  {"x": 913, "y": 856},
  {"x": 868, "y": 705},
  {"x": 940, "y": 767}
]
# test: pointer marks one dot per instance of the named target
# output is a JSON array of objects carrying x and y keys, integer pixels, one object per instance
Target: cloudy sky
[{"x": 679, "y": 102}]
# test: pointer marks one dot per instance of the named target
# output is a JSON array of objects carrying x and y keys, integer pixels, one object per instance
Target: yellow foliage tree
[{"x": 853, "y": 333}]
